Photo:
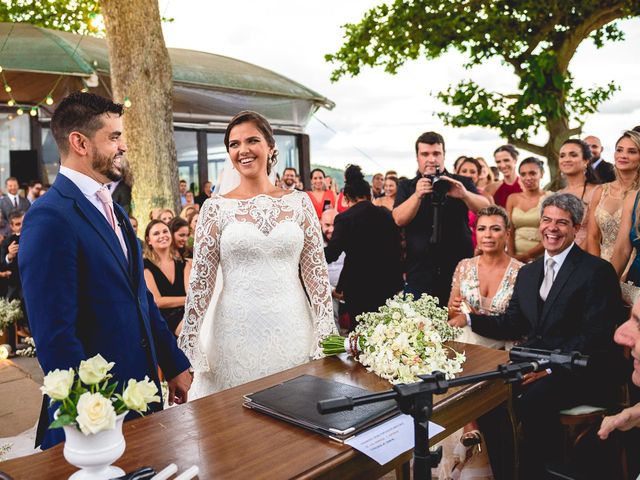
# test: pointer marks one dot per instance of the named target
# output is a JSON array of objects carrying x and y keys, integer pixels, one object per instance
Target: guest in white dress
[{"x": 258, "y": 238}]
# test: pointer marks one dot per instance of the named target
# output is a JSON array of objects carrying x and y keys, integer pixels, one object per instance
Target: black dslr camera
[
  {"x": 438, "y": 197},
  {"x": 440, "y": 189}
]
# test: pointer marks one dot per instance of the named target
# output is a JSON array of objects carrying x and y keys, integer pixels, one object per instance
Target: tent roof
[{"x": 28, "y": 48}]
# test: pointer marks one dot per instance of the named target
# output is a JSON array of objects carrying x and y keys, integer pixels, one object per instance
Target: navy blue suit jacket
[{"x": 83, "y": 297}]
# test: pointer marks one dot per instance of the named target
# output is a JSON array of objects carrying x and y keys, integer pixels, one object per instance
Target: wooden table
[{"x": 227, "y": 440}]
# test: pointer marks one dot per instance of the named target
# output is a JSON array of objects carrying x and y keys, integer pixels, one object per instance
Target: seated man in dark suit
[{"x": 567, "y": 300}]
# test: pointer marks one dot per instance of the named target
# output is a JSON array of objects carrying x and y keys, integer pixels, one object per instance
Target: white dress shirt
[
  {"x": 558, "y": 259},
  {"x": 88, "y": 186},
  {"x": 15, "y": 201}
]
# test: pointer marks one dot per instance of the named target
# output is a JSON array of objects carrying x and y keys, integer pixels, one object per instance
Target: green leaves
[
  {"x": 78, "y": 16},
  {"x": 537, "y": 39},
  {"x": 62, "y": 420}
]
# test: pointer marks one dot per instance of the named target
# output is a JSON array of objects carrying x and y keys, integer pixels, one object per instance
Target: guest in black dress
[
  {"x": 165, "y": 273},
  {"x": 371, "y": 241}
]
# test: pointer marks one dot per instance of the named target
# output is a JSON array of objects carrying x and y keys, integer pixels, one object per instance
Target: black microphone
[{"x": 558, "y": 358}]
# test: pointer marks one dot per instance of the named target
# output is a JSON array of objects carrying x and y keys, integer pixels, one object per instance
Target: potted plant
[{"x": 91, "y": 414}]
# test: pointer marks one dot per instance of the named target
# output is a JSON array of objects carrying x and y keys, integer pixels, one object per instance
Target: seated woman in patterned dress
[{"x": 482, "y": 284}]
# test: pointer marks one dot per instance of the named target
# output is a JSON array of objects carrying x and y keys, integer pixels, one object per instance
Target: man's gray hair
[{"x": 567, "y": 202}]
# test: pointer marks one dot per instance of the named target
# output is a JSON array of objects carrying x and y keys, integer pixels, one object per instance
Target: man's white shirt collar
[
  {"x": 558, "y": 259},
  {"x": 87, "y": 185},
  {"x": 595, "y": 164}
]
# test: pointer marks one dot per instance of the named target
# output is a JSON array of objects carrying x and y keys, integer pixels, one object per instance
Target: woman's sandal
[{"x": 469, "y": 439}]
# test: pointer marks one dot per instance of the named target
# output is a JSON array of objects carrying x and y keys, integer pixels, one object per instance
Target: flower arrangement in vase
[{"x": 91, "y": 413}]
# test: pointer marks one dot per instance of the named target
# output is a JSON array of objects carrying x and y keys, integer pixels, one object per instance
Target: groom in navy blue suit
[{"x": 81, "y": 266}]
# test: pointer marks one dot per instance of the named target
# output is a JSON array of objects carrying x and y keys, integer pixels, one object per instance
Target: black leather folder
[{"x": 295, "y": 401}]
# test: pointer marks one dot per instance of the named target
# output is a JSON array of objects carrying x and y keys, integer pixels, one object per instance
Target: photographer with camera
[{"x": 433, "y": 207}]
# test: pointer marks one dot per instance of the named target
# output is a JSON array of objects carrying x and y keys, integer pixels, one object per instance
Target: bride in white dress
[{"x": 261, "y": 239}]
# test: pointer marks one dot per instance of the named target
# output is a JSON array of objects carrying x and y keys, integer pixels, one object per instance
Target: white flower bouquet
[
  {"x": 10, "y": 312},
  {"x": 402, "y": 340},
  {"x": 89, "y": 401},
  {"x": 29, "y": 349}
]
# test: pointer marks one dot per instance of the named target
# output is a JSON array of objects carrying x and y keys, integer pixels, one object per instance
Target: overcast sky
[{"x": 378, "y": 113}]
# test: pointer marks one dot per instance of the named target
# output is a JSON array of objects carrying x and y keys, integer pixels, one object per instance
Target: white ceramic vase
[{"x": 95, "y": 453}]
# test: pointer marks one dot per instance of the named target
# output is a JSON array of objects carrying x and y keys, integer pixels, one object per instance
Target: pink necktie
[{"x": 107, "y": 203}]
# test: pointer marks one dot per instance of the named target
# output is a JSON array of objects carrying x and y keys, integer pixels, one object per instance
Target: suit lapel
[
  {"x": 97, "y": 221},
  {"x": 130, "y": 240},
  {"x": 534, "y": 284},
  {"x": 568, "y": 266}
]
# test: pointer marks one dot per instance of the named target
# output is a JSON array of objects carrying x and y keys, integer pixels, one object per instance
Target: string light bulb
[
  {"x": 34, "y": 111},
  {"x": 49, "y": 100},
  {"x": 20, "y": 111},
  {"x": 11, "y": 102},
  {"x": 127, "y": 102},
  {"x": 0, "y": 68},
  {"x": 7, "y": 88}
]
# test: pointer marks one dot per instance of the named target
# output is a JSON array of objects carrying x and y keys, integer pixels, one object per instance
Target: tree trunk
[
  {"x": 141, "y": 71},
  {"x": 559, "y": 131}
]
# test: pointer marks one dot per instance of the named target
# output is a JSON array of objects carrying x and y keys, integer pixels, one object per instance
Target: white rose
[
  {"x": 58, "y": 383},
  {"x": 95, "y": 413},
  {"x": 138, "y": 395},
  {"x": 94, "y": 370},
  {"x": 4, "y": 352}
]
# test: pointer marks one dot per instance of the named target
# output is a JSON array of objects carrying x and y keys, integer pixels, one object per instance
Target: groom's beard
[{"x": 109, "y": 166}]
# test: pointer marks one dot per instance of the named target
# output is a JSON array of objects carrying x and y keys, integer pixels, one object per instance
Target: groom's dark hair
[{"x": 80, "y": 112}]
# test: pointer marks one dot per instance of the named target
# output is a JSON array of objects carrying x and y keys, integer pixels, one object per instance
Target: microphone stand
[{"x": 416, "y": 399}]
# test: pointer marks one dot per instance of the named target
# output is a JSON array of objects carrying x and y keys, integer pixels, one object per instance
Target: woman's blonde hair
[
  {"x": 635, "y": 138},
  {"x": 490, "y": 177},
  {"x": 186, "y": 212}
]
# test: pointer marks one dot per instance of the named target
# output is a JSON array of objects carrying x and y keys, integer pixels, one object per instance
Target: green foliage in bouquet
[
  {"x": 10, "y": 312},
  {"x": 404, "y": 339}
]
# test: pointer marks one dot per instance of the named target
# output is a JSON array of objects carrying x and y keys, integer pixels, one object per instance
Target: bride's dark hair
[
  {"x": 261, "y": 124},
  {"x": 355, "y": 185}
]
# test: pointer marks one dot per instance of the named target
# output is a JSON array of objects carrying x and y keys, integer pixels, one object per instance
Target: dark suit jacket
[
  {"x": 83, "y": 297},
  {"x": 14, "y": 287},
  {"x": 371, "y": 241},
  {"x": 606, "y": 172},
  {"x": 122, "y": 196},
  {"x": 581, "y": 311},
  {"x": 6, "y": 207}
]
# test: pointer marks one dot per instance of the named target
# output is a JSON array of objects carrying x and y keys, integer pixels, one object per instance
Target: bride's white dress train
[{"x": 261, "y": 321}]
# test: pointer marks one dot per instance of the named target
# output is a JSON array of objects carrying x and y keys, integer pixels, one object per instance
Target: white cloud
[{"x": 379, "y": 113}]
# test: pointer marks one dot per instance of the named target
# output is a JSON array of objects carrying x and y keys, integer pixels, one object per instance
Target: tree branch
[
  {"x": 598, "y": 19},
  {"x": 575, "y": 131},
  {"x": 537, "y": 149},
  {"x": 541, "y": 34}
]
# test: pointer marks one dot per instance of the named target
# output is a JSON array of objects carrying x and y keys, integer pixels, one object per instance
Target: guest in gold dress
[
  {"x": 604, "y": 221},
  {"x": 524, "y": 211}
]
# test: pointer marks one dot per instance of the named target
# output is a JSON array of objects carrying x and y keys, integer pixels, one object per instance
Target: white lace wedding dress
[{"x": 261, "y": 322}]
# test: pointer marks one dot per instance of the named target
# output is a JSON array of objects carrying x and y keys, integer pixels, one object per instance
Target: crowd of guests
[
  {"x": 513, "y": 262},
  {"x": 472, "y": 240}
]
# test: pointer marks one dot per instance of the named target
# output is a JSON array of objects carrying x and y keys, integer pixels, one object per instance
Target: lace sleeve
[
  {"x": 206, "y": 256},
  {"x": 315, "y": 276}
]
